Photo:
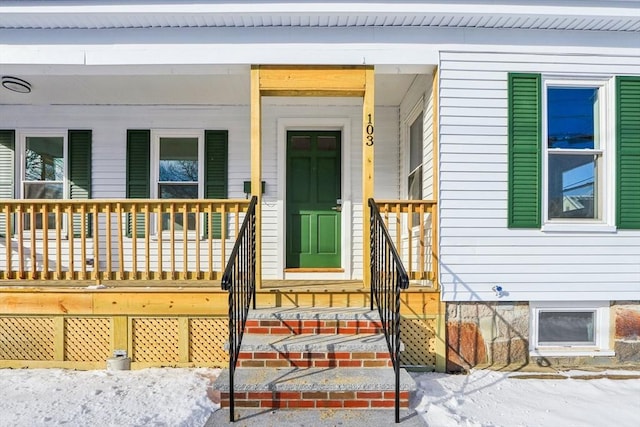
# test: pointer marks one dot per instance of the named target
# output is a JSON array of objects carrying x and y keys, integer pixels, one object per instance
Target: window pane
[
  {"x": 301, "y": 143},
  {"x": 573, "y": 180},
  {"x": 44, "y": 159},
  {"x": 50, "y": 190},
  {"x": 178, "y": 191},
  {"x": 415, "y": 184},
  {"x": 178, "y": 159},
  {"x": 327, "y": 143},
  {"x": 415, "y": 143},
  {"x": 572, "y": 117},
  {"x": 566, "y": 327}
]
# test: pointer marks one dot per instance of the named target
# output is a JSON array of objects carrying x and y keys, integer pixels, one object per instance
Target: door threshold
[{"x": 314, "y": 270}]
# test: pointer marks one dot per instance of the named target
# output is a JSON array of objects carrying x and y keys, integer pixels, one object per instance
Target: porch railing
[
  {"x": 239, "y": 280},
  {"x": 412, "y": 226},
  {"x": 388, "y": 278},
  {"x": 129, "y": 239}
]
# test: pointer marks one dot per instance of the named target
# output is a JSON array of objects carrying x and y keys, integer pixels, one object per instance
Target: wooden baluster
[
  {"x": 422, "y": 241},
  {"x": 185, "y": 230},
  {"x": 83, "y": 241},
  {"x": 210, "y": 239},
  {"x": 44, "y": 274},
  {"x": 20, "y": 231},
  {"x": 147, "y": 243},
  {"x": 197, "y": 242},
  {"x": 134, "y": 242},
  {"x": 410, "y": 237},
  {"x": 8, "y": 274},
  {"x": 223, "y": 237},
  {"x": 172, "y": 237},
  {"x": 120, "y": 213},
  {"x": 96, "y": 245},
  {"x": 58, "y": 275},
  {"x": 32, "y": 211},
  {"x": 159, "y": 239},
  {"x": 72, "y": 268},
  {"x": 107, "y": 224}
]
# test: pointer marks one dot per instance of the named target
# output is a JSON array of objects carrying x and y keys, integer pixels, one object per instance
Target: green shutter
[
  {"x": 525, "y": 125},
  {"x": 7, "y": 170},
  {"x": 628, "y": 152},
  {"x": 215, "y": 173},
  {"x": 138, "y": 187},
  {"x": 80, "y": 173}
]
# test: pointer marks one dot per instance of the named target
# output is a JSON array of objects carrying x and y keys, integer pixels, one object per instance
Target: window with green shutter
[
  {"x": 560, "y": 153},
  {"x": 628, "y": 152},
  {"x": 177, "y": 165},
  {"x": 79, "y": 182}
]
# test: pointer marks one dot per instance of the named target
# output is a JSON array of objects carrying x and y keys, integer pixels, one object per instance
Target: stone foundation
[
  {"x": 492, "y": 333},
  {"x": 496, "y": 335}
]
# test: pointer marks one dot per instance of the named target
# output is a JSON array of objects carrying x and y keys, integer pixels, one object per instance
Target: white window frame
[
  {"x": 154, "y": 168},
  {"x": 606, "y": 148},
  {"x": 21, "y": 170},
  {"x": 410, "y": 118},
  {"x": 602, "y": 333}
]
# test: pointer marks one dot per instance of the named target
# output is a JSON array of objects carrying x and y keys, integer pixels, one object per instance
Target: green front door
[{"x": 313, "y": 197}]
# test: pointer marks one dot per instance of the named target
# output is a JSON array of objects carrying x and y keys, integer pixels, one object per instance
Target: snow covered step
[
  {"x": 314, "y": 320},
  {"x": 320, "y": 351},
  {"x": 315, "y": 388}
]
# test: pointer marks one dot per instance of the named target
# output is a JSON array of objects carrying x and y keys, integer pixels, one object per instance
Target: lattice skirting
[
  {"x": 88, "y": 341},
  {"x": 419, "y": 339}
]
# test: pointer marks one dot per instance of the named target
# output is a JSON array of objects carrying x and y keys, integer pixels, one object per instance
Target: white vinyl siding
[{"x": 477, "y": 250}]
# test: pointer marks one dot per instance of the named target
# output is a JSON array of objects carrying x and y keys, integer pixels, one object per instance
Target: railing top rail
[
  {"x": 228, "y": 271},
  {"x": 122, "y": 201},
  {"x": 403, "y": 277},
  {"x": 404, "y": 202}
]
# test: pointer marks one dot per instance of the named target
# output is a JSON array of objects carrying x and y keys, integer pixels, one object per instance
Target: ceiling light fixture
[{"x": 15, "y": 84}]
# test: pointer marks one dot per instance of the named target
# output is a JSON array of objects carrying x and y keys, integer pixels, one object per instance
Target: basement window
[{"x": 568, "y": 328}]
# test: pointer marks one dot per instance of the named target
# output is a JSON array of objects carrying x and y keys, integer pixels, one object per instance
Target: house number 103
[{"x": 369, "y": 131}]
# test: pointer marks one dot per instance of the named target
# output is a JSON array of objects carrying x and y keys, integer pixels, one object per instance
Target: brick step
[
  {"x": 315, "y": 388},
  {"x": 320, "y": 351},
  {"x": 296, "y": 321}
]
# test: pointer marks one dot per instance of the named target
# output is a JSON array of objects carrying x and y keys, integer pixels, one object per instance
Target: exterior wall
[
  {"x": 477, "y": 250},
  {"x": 496, "y": 334},
  {"x": 110, "y": 123}
]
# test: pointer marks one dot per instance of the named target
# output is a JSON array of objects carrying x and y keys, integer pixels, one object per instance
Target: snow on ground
[{"x": 182, "y": 397}]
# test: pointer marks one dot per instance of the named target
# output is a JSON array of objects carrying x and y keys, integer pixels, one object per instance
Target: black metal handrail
[
  {"x": 239, "y": 278},
  {"x": 388, "y": 278}
]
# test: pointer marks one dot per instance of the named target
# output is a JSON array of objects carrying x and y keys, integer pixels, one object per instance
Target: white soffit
[{"x": 539, "y": 15}]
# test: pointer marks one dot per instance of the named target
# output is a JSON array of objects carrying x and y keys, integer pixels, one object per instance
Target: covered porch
[{"x": 113, "y": 273}]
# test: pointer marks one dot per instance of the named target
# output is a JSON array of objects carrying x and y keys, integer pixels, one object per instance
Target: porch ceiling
[
  {"x": 52, "y": 88},
  {"x": 539, "y": 14}
]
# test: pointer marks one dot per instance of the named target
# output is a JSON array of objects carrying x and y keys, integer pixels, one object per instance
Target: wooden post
[
  {"x": 368, "y": 144},
  {"x": 435, "y": 163},
  {"x": 256, "y": 164}
]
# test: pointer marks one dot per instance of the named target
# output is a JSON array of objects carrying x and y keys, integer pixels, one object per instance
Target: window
[
  {"x": 572, "y": 150},
  {"x": 145, "y": 153},
  {"x": 569, "y": 327},
  {"x": 43, "y": 172},
  {"x": 178, "y": 174},
  {"x": 575, "y": 156},
  {"x": 416, "y": 159}
]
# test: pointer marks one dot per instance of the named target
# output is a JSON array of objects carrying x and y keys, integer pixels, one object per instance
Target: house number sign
[{"x": 369, "y": 131}]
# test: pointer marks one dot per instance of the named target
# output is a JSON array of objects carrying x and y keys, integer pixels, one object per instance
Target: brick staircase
[{"x": 314, "y": 358}]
